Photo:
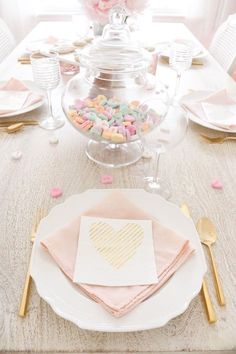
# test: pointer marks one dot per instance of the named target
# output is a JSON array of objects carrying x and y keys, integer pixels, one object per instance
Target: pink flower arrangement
[{"x": 98, "y": 10}]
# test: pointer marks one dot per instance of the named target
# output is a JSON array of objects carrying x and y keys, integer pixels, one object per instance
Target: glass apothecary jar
[{"x": 108, "y": 101}]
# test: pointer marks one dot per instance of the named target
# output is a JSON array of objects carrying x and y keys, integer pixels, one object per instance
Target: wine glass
[
  {"x": 181, "y": 54},
  {"x": 46, "y": 74},
  {"x": 166, "y": 136}
]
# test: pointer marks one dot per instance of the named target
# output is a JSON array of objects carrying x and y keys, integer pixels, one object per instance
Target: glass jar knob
[{"x": 117, "y": 16}]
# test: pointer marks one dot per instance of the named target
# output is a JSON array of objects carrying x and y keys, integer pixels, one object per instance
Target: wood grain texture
[{"x": 188, "y": 170}]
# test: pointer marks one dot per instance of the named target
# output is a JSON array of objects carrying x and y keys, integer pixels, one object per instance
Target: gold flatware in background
[
  {"x": 15, "y": 127},
  {"x": 207, "y": 232},
  {"x": 195, "y": 61},
  {"x": 209, "y": 307},
  {"x": 24, "y": 61},
  {"x": 25, "y": 294},
  {"x": 218, "y": 140},
  {"x": 5, "y": 123}
]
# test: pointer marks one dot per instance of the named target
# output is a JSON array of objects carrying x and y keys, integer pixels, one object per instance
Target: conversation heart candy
[
  {"x": 216, "y": 184},
  {"x": 106, "y": 179},
  {"x": 147, "y": 154},
  {"x": 53, "y": 140},
  {"x": 55, "y": 192},
  {"x": 16, "y": 155}
]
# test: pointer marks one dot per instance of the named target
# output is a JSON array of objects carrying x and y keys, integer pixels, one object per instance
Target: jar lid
[{"x": 115, "y": 50}]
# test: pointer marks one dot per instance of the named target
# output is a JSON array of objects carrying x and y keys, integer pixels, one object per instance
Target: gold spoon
[
  {"x": 207, "y": 233},
  {"x": 219, "y": 139},
  {"x": 209, "y": 306},
  {"x": 14, "y": 128}
]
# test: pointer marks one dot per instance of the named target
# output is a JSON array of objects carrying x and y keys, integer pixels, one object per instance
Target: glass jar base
[
  {"x": 114, "y": 155},
  {"x": 156, "y": 186},
  {"x": 52, "y": 123}
]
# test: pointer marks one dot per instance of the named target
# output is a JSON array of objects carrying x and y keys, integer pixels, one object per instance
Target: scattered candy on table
[
  {"x": 16, "y": 155},
  {"x": 53, "y": 140},
  {"x": 106, "y": 179},
  {"x": 147, "y": 154},
  {"x": 111, "y": 119},
  {"x": 217, "y": 184},
  {"x": 55, "y": 192}
]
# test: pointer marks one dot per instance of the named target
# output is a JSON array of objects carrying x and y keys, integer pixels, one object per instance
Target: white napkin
[
  {"x": 115, "y": 252},
  {"x": 217, "y": 108}
]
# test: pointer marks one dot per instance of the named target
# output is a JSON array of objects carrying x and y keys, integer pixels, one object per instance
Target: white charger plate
[
  {"x": 70, "y": 303},
  {"x": 31, "y": 86}
]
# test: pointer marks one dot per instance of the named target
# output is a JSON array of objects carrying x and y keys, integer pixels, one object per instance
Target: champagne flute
[
  {"x": 181, "y": 55},
  {"x": 46, "y": 74}
]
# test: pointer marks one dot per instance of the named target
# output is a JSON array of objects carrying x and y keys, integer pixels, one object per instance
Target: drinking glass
[
  {"x": 166, "y": 136},
  {"x": 46, "y": 74},
  {"x": 181, "y": 54}
]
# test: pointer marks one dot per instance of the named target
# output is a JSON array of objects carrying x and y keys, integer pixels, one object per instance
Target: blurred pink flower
[
  {"x": 98, "y": 10},
  {"x": 136, "y": 5}
]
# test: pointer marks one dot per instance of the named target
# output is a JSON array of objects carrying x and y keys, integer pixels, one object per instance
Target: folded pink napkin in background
[
  {"x": 171, "y": 250},
  {"x": 67, "y": 68},
  {"x": 217, "y": 108},
  {"x": 16, "y": 85}
]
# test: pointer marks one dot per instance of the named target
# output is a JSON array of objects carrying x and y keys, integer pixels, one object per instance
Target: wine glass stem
[
  {"x": 49, "y": 95},
  {"x": 177, "y": 84},
  {"x": 157, "y": 163}
]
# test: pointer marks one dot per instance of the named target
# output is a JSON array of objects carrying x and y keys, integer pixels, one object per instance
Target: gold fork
[
  {"x": 219, "y": 139},
  {"x": 25, "y": 294}
]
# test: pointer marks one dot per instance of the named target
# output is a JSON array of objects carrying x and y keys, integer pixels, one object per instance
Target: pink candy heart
[
  {"x": 216, "y": 184},
  {"x": 106, "y": 179},
  {"x": 55, "y": 192}
]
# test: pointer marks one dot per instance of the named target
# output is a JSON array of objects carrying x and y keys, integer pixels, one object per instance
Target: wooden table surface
[{"x": 189, "y": 170}]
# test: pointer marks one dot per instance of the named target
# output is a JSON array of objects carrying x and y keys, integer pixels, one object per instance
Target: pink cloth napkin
[
  {"x": 217, "y": 108},
  {"x": 16, "y": 85},
  {"x": 68, "y": 68},
  {"x": 171, "y": 250}
]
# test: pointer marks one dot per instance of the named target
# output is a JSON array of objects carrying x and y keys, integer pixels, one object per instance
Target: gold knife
[{"x": 209, "y": 306}]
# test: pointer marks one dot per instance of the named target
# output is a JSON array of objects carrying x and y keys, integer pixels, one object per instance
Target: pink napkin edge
[
  {"x": 186, "y": 99},
  {"x": 127, "y": 306},
  {"x": 32, "y": 97},
  {"x": 147, "y": 291},
  {"x": 20, "y": 86}
]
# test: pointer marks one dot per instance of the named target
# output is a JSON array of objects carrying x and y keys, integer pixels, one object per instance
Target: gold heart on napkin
[{"x": 116, "y": 247}]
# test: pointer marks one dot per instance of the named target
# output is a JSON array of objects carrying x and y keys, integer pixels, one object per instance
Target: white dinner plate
[
  {"x": 31, "y": 86},
  {"x": 70, "y": 303}
]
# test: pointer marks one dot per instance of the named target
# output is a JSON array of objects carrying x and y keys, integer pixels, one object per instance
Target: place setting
[
  {"x": 68, "y": 49},
  {"x": 117, "y": 264},
  {"x": 20, "y": 97},
  {"x": 213, "y": 110},
  {"x": 197, "y": 52}
]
